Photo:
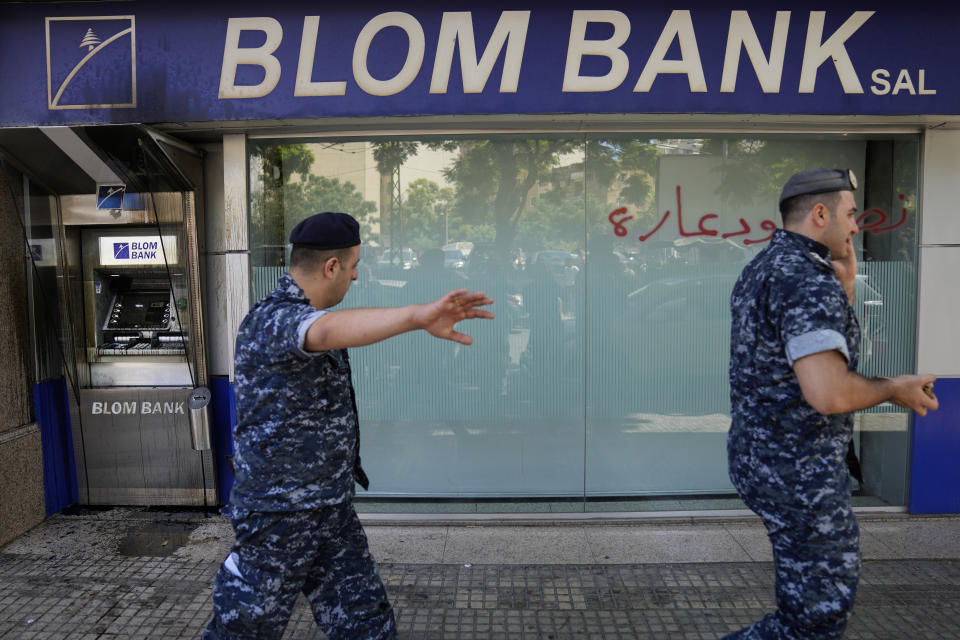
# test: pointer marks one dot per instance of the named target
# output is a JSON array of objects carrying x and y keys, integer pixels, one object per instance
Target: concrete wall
[
  {"x": 227, "y": 251},
  {"x": 227, "y": 293},
  {"x": 21, "y": 463}
]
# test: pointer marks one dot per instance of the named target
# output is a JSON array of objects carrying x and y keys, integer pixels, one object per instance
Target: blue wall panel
[
  {"x": 935, "y": 456},
  {"x": 59, "y": 468},
  {"x": 224, "y": 409}
]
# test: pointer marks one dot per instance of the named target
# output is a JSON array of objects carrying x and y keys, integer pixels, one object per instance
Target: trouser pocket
[{"x": 251, "y": 600}]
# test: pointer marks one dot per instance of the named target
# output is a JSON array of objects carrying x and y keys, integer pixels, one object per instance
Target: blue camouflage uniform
[
  {"x": 296, "y": 458},
  {"x": 787, "y": 461}
]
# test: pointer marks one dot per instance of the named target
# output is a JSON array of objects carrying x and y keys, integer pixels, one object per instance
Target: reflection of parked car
[
  {"x": 631, "y": 261},
  {"x": 679, "y": 330},
  {"x": 555, "y": 259},
  {"x": 453, "y": 258},
  {"x": 562, "y": 265},
  {"x": 398, "y": 258},
  {"x": 462, "y": 246}
]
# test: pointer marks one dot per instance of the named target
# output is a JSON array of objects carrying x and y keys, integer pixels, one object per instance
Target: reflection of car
[
  {"x": 679, "y": 330},
  {"x": 555, "y": 259},
  {"x": 453, "y": 258},
  {"x": 562, "y": 265},
  {"x": 399, "y": 258},
  {"x": 463, "y": 247},
  {"x": 631, "y": 261},
  {"x": 713, "y": 250}
]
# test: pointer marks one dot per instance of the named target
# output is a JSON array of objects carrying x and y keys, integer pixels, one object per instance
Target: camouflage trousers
[
  {"x": 816, "y": 550},
  {"x": 323, "y": 554}
]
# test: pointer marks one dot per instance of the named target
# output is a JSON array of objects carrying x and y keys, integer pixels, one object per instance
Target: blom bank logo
[{"x": 91, "y": 62}]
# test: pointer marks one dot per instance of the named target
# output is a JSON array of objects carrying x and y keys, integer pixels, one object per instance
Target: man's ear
[
  {"x": 820, "y": 214},
  {"x": 330, "y": 267}
]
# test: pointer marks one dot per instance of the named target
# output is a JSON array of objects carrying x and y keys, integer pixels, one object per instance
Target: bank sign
[
  {"x": 177, "y": 61},
  {"x": 137, "y": 250}
]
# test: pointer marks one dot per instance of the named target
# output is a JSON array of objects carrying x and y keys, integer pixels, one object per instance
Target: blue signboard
[
  {"x": 175, "y": 61},
  {"x": 110, "y": 196}
]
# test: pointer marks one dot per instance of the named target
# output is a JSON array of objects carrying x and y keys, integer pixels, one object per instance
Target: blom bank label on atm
[{"x": 137, "y": 250}]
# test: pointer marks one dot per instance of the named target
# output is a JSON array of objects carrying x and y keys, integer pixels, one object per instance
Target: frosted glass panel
[
  {"x": 668, "y": 237},
  {"x": 503, "y": 417},
  {"x": 883, "y": 291},
  {"x": 611, "y": 259}
]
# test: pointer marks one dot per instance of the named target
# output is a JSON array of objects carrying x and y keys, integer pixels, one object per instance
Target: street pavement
[{"x": 147, "y": 573}]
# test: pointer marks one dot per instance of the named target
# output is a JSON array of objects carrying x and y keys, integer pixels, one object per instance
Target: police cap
[
  {"x": 818, "y": 181},
  {"x": 328, "y": 230}
]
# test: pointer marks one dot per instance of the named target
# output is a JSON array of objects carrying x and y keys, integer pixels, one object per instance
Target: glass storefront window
[{"x": 602, "y": 384}]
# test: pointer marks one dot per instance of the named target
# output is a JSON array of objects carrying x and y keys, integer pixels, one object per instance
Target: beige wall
[
  {"x": 21, "y": 464},
  {"x": 937, "y": 349}
]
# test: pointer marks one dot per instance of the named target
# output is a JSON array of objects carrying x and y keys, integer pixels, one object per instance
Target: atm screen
[{"x": 140, "y": 310}]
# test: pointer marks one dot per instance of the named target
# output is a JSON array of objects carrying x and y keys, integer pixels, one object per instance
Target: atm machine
[
  {"x": 131, "y": 304},
  {"x": 130, "y": 309},
  {"x": 139, "y": 445}
]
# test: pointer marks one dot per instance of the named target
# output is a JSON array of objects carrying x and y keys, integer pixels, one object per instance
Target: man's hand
[
  {"x": 909, "y": 392},
  {"x": 438, "y": 318},
  {"x": 846, "y": 270}
]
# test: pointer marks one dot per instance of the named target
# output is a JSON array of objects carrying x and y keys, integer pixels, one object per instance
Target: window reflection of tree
[
  {"x": 754, "y": 171},
  {"x": 285, "y": 189}
]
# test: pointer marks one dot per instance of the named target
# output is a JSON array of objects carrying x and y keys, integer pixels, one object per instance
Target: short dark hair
[
  {"x": 793, "y": 209},
  {"x": 309, "y": 259}
]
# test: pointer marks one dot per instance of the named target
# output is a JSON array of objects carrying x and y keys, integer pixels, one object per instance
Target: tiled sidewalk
[{"x": 137, "y": 575}]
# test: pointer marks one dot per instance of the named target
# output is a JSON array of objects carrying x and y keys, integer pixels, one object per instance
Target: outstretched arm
[
  {"x": 830, "y": 387},
  {"x": 359, "y": 327}
]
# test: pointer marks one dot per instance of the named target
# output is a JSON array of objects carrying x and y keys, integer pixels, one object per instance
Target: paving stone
[
  {"x": 100, "y": 577},
  {"x": 44, "y": 596}
]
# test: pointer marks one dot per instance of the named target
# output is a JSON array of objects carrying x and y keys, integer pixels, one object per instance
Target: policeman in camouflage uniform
[
  {"x": 296, "y": 445},
  {"x": 793, "y": 388}
]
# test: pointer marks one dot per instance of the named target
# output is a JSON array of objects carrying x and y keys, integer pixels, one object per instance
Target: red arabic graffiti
[
  {"x": 877, "y": 225},
  {"x": 619, "y": 217}
]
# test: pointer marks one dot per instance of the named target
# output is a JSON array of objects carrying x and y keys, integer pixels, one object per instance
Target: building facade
[{"x": 603, "y": 174}]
